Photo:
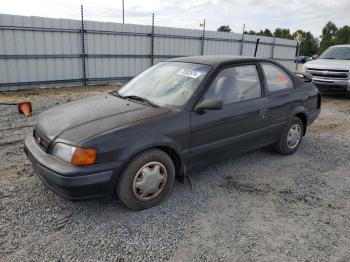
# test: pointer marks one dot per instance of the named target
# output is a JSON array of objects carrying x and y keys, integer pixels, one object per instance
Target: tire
[
  {"x": 284, "y": 145},
  {"x": 147, "y": 180}
]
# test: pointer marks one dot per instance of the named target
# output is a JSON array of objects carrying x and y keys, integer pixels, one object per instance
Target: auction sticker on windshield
[{"x": 189, "y": 73}]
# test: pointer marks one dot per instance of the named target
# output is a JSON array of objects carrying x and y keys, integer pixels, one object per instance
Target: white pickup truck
[{"x": 331, "y": 70}]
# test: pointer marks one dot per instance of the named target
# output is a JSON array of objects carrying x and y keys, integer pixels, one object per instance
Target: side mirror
[
  {"x": 306, "y": 77},
  {"x": 314, "y": 57},
  {"x": 209, "y": 104}
]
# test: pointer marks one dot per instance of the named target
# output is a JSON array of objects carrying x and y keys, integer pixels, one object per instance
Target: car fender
[
  {"x": 297, "y": 110},
  {"x": 301, "y": 110},
  {"x": 160, "y": 142}
]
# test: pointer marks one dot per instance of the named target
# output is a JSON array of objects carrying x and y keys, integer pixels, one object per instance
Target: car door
[
  {"x": 241, "y": 125},
  {"x": 281, "y": 97}
]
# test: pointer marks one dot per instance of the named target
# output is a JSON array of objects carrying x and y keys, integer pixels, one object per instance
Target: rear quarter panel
[{"x": 309, "y": 97}]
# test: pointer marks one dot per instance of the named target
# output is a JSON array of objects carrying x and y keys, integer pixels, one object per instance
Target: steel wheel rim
[
  {"x": 293, "y": 136},
  {"x": 149, "y": 181}
]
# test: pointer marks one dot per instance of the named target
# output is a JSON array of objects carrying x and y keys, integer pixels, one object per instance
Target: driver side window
[{"x": 235, "y": 84}]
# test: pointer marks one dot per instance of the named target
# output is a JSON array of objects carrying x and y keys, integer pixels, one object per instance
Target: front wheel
[
  {"x": 147, "y": 180},
  {"x": 291, "y": 137}
]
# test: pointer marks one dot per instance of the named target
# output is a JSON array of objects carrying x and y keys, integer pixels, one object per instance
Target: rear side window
[
  {"x": 235, "y": 84},
  {"x": 276, "y": 78}
]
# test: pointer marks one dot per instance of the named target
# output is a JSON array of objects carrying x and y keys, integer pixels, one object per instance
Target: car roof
[
  {"x": 340, "y": 46},
  {"x": 215, "y": 60}
]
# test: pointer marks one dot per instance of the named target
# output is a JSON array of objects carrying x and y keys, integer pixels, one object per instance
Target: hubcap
[
  {"x": 293, "y": 137},
  {"x": 149, "y": 181}
]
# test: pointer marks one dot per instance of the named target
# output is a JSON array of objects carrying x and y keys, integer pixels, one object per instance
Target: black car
[{"x": 174, "y": 116}]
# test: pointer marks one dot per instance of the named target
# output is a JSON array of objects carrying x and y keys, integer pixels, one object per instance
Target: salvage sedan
[{"x": 174, "y": 116}]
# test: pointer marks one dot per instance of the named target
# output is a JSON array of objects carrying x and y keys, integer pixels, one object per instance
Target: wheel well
[
  {"x": 179, "y": 167},
  {"x": 303, "y": 119}
]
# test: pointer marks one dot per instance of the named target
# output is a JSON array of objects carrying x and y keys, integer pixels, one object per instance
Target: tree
[
  {"x": 224, "y": 28},
  {"x": 251, "y": 32},
  {"x": 283, "y": 33},
  {"x": 328, "y": 34},
  {"x": 266, "y": 32},
  {"x": 309, "y": 43},
  {"x": 342, "y": 36}
]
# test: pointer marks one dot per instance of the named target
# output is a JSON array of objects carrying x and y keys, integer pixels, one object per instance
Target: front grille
[
  {"x": 333, "y": 70},
  {"x": 41, "y": 140},
  {"x": 329, "y": 73}
]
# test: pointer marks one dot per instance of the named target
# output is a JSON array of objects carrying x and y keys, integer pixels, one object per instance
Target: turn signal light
[
  {"x": 83, "y": 156},
  {"x": 25, "y": 108}
]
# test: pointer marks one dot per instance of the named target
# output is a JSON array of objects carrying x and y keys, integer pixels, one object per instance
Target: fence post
[
  {"x": 256, "y": 46},
  {"x": 242, "y": 41},
  {"x": 273, "y": 46},
  {"x": 83, "y": 56},
  {"x": 152, "y": 41},
  {"x": 123, "y": 10},
  {"x": 297, "y": 52},
  {"x": 203, "y": 36}
]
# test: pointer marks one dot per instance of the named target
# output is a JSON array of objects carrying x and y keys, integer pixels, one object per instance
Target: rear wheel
[
  {"x": 147, "y": 180},
  {"x": 291, "y": 137}
]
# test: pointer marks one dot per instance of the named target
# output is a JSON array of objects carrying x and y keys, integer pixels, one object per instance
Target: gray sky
[{"x": 293, "y": 14}]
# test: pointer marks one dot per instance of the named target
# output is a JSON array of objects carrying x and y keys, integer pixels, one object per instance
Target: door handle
[{"x": 263, "y": 112}]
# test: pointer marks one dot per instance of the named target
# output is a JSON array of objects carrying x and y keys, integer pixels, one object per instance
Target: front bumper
[
  {"x": 71, "y": 182},
  {"x": 332, "y": 85}
]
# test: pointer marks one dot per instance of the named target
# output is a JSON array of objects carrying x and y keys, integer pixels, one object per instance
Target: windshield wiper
[
  {"x": 116, "y": 93},
  {"x": 141, "y": 99},
  {"x": 136, "y": 98}
]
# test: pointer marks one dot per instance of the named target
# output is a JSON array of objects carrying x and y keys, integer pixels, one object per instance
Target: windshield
[
  {"x": 336, "y": 52},
  {"x": 167, "y": 83}
]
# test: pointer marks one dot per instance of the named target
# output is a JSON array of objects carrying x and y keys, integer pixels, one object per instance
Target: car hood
[
  {"x": 78, "y": 120},
  {"x": 329, "y": 64}
]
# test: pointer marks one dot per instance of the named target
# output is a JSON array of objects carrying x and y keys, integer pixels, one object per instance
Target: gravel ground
[{"x": 257, "y": 207}]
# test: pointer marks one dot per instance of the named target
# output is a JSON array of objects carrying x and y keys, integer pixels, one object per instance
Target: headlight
[
  {"x": 79, "y": 156},
  {"x": 63, "y": 151}
]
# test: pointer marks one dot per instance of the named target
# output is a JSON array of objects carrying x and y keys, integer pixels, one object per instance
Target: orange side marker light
[
  {"x": 84, "y": 156},
  {"x": 25, "y": 108}
]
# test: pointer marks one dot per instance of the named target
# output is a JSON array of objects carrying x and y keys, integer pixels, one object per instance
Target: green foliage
[
  {"x": 342, "y": 36},
  {"x": 266, "y": 32},
  {"x": 250, "y": 32},
  {"x": 224, "y": 28},
  {"x": 332, "y": 35},
  {"x": 283, "y": 33},
  {"x": 328, "y": 33},
  {"x": 309, "y": 44}
]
